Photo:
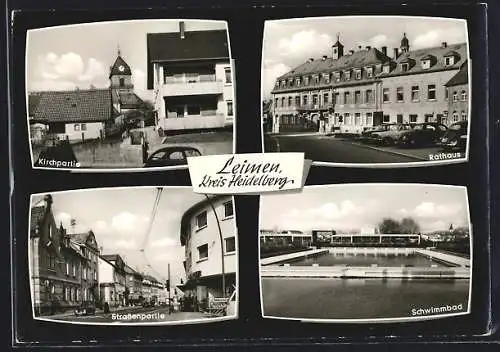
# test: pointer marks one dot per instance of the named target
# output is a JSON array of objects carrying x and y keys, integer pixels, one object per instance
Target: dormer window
[
  {"x": 306, "y": 80},
  {"x": 369, "y": 72},
  {"x": 297, "y": 81},
  {"x": 426, "y": 64},
  {"x": 336, "y": 76},
  {"x": 315, "y": 79},
  {"x": 326, "y": 77},
  {"x": 405, "y": 66},
  {"x": 347, "y": 75},
  {"x": 449, "y": 60},
  {"x": 358, "y": 74},
  {"x": 386, "y": 68},
  {"x": 283, "y": 84}
]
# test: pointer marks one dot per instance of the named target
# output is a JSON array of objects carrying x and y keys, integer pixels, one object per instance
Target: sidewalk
[{"x": 71, "y": 312}]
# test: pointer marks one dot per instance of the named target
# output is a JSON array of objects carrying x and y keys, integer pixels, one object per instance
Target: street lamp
[{"x": 221, "y": 246}]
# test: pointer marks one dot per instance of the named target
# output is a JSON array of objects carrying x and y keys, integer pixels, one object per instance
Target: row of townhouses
[
  {"x": 67, "y": 268},
  {"x": 348, "y": 91},
  {"x": 190, "y": 78}
]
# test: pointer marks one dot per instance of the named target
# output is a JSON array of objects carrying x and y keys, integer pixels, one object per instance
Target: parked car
[
  {"x": 85, "y": 308},
  {"x": 455, "y": 137},
  {"x": 423, "y": 134},
  {"x": 171, "y": 156},
  {"x": 391, "y": 135},
  {"x": 366, "y": 133}
]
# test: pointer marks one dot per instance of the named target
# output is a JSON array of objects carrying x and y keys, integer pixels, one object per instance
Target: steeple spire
[{"x": 118, "y": 50}]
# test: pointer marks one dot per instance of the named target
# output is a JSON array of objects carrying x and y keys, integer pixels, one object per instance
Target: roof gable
[
  {"x": 92, "y": 105},
  {"x": 461, "y": 77}
]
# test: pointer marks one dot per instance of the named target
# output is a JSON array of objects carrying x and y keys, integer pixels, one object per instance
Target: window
[
  {"x": 297, "y": 100},
  {"x": 400, "y": 94},
  {"x": 431, "y": 92},
  {"x": 455, "y": 116},
  {"x": 297, "y": 81},
  {"x": 446, "y": 93},
  {"x": 386, "y": 69},
  {"x": 463, "y": 115},
  {"x": 405, "y": 66},
  {"x": 229, "y": 108},
  {"x": 426, "y": 64},
  {"x": 84, "y": 273},
  {"x": 227, "y": 73},
  {"x": 370, "y": 98},
  {"x": 347, "y": 118},
  {"x": 325, "y": 98},
  {"x": 326, "y": 77},
  {"x": 358, "y": 74},
  {"x": 316, "y": 79},
  {"x": 193, "y": 110},
  {"x": 463, "y": 95},
  {"x": 180, "y": 111},
  {"x": 84, "y": 126},
  {"x": 346, "y": 98},
  {"x": 337, "y": 76},
  {"x": 230, "y": 244},
  {"x": 449, "y": 60},
  {"x": 290, "y": 101},
  {"x": 228, "y": 209},
  {"x": 385, "y": 95},
  {"x": 67, "y": 269},
  {"x": 369, "y": 72},
  {"x": 414, "y": 93},
  {"x": 315, "y": 99},
  {"x": 357, "y": 97},
  {"x": 306, "y": 80},
  {"x": 347, "y": 75},
  {"x": 201, "y": 220},
  {"x": 304, "y": 100},
  {"x": 203, "y": 251},
  {"x": 357, "y": 119},
  {"x": 336, "y": 98},
  {"x": 122, "y": 82},
  {"x": 50, "y": 232},
  {"x": 455, "y": 96},
  {"x": 76, "y": 127},
  {"x": 399, "y": 118},
  {"x": 369, "y": 118},
  {"x": 52, "y": 262},
  {"x": 386, "y": 119}
]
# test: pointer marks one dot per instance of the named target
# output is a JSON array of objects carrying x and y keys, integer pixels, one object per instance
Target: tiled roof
[
  {"x": 127, "y": 100},
  {"x": 36, "y": 215},
  {"x": 196, "y": 45},
  {"x": 358, "y": 59},
  {"x": 92, "y": 105},
  {"x": 461, "y": 77},
  {"x": 80, "y": 238},
  {"x": 33, "y": 100},
  {"x": 438, "y": 53},
  {"x": 115, "y": 69}
]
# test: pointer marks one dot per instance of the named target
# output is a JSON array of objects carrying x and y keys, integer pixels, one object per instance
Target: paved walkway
[{"x": 283, "y": 257}]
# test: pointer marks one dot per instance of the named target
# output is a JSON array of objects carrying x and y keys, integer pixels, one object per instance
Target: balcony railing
[
  {"x": 199, "y": 85},
  {"x": 190, "y": 78}
]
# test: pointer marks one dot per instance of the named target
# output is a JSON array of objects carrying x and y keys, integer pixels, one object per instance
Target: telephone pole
[{"x": 168, "y": 290}]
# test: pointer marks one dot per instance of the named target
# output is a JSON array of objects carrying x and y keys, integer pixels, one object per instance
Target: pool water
[{"x": 362, "y": 260}]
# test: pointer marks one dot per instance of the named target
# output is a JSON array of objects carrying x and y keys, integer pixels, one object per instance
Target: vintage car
[
  {"x": 423, "y": 134},
  {"x": 85, "y": 308},
  {"x": 455, "y": 138},
  {"x": 171, "y": 155},
  {"x": 391, "y": 135}
]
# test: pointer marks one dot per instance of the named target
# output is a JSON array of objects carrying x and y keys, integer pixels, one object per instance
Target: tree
[
  {"x": 148, "y": 105},
  {"x": 409, "y": 225},
  {"x": 388, "y": 226}
]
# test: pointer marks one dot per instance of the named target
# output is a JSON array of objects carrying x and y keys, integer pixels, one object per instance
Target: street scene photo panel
[
  {"x": 366, "y": 253},
  {"x": 397, "y": 94},
  {"x": 135, "y": 255},
  {"x": 129, "y": 94}
]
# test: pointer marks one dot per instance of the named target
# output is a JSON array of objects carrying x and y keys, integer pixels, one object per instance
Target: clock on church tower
[{"x": 120, "y": 74}]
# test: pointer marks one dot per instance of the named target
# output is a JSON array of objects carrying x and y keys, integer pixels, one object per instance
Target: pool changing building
[{"x": 285, "y": 237}]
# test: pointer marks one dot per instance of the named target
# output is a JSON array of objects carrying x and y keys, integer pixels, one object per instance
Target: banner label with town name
[{"x": 248, "y": 173}]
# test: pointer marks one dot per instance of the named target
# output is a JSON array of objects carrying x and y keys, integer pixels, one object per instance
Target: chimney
[
  {"x": 396, "y": 53},
  {"x": 324, "y": 57},
  {"x": 182, "y": 30},
  {"x": 384, "y": 50},
  {"x": 359, "y": 47},
  {"x": 368, "y": 47},
  {"x": 351, "y": 52},
  {"x": 444, "y": 44}
]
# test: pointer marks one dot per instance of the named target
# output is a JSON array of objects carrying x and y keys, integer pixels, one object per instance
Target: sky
[
  {"x": 352, "y": 207},
  {"x": 289, "y": 43},
  {"x": 119, "y": 220},
  {"x": 66, "y": 57}
]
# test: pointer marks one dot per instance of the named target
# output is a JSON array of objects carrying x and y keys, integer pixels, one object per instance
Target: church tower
[
  {"x": 337, "y": 48},
  {"x": 120, "y": 75},
  {"x": 405, "y": 44}
]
